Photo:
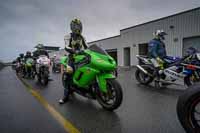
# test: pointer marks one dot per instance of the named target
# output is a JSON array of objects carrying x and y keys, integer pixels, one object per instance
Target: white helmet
[
  {"x": 54, "y": 55},
  {"x": 159, "y": 34}
]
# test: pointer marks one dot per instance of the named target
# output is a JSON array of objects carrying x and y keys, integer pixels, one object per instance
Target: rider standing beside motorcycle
[
  {"x": 76, "y": 42},
  {"x": 157, "y": 50}
]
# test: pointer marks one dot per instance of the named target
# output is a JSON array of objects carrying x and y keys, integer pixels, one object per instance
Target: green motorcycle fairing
[
  {"x": 29, "y": 62},
  {"x": 99, "y": 68},
  {"x": 63, "y": 61}
]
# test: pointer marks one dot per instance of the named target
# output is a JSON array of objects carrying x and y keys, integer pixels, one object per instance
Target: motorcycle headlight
[{"x": 100, "y": 60}]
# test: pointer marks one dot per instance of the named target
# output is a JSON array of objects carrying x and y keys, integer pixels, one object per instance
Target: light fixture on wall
[
  {"x": 175, "y": 39},
  {"x": 171, "y": 27}
]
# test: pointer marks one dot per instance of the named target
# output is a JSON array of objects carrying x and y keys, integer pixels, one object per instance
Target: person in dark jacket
[
  {"x": 40, "y": 51},
  {"x": 28, "y": 55},
  {"x": 157, "y": 49}
]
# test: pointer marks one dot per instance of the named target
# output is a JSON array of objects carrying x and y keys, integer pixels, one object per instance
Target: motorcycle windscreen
[
  {"x": 97, "y": 49},
  {"x": 101, "y": 62}
]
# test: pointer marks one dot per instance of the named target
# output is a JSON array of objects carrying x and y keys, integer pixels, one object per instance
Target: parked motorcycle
[
  {"x": 20, "y": 68},
  {"x": 177, "y": 71},
  {"x": 188, "y": 109},
  {"x": 93, "y": 77},
  {"x": 42, "y": 69},
  {"x": 56, "y": 66}
]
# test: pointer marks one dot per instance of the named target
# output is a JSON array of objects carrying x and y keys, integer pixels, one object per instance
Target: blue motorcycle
[{"x": 181, "y": 71}]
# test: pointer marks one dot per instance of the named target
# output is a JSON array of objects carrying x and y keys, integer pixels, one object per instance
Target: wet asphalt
[
  {"x": 144, "y": 109},
  {"x": 19, "y": 111}
]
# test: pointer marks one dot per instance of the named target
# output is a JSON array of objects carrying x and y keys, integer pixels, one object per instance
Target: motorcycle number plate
[{"x": 45, "y": 62}]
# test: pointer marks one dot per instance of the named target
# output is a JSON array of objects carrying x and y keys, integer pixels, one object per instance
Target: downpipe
[{"x": 143, "y": 70}]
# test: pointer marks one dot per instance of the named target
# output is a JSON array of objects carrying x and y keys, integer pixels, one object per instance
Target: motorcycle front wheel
[
  {"x": 43, "y": 78},
  {"x": 113, "y": 98},
  {"x": 188, "y": 110}
]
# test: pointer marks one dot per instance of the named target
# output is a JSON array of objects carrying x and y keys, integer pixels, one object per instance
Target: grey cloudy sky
[{"x": 24, "y": 23}]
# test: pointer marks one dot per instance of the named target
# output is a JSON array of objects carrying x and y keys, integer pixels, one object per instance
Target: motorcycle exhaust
[{"x": 142, "y": 69}]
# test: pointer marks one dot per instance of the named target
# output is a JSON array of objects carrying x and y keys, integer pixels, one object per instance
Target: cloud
[{"x": 24, "y": 23}]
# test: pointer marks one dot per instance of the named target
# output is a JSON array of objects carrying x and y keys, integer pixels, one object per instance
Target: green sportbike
[
  {"x": 29, "y": 72},
  {"x": 92, "y": 77}
]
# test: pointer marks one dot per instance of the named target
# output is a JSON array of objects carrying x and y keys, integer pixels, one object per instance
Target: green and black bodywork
[
  {"x": 93, "y": 75},
  {"x": 29, "y": 72}
]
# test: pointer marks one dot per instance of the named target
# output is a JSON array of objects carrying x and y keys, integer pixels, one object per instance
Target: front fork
[{"x": 102, "y": 81}]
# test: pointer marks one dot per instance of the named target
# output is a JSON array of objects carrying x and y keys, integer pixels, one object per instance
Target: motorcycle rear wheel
[{"x": 143, "y": 78}]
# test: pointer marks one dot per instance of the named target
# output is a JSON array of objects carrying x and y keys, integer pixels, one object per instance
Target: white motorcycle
[{"x": 42, "y": 69}]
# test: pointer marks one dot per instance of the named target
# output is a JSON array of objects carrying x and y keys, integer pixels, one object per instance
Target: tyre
[
  {"x": 43, "y": 77},
  {"x": 188, "y": 109},
  {"x": 44, "y": 80},
  {"x": 113, "y": 98},
  {"x": 143, "y": 78}
]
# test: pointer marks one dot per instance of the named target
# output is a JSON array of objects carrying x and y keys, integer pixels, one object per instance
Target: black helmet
[
  {"x": 76, "y": 26},
  {"x": 21, "y": 55},
  {"x": 28, "y": 53}
]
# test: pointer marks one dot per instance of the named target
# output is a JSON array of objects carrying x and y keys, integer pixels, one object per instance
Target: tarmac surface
[{"x": 144, "y": 109}]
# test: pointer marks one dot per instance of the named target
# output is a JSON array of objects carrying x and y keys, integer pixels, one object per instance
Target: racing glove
[{"x": 159, "y": 60}]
